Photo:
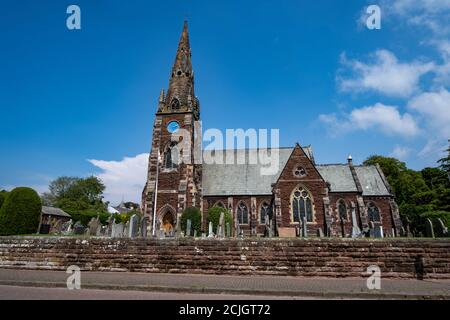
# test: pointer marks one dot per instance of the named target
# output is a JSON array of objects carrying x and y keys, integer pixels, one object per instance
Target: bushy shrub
[
  {"x": 3, "y": 195},
  {"x": 195, "y": 216},
  {"x": 20, "y": 212},
  {"x": 214, "y": 217},
  {"x": 84, "y": 216}
]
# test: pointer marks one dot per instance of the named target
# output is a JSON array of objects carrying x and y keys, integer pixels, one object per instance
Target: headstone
[
  {"x": 304, "y": 228},
  {"x": 429, "y": 232},
  {"x": 441, "y": 229},
  {"x": 210, "y": 231},
  {"x": 320, "y": 233},
  {"x": 378, "y": 231},
  {"x": 143, "y": 228},
  {"x": 78, "y": 228},
  {"x": 133, "y": 230},
  {"x": 108, "y": 229},
  {"x": 126, "y": 230},
  {"x": 195, "y": 233},
  {"x": 228, "y": 230},
  {"x": 287, "y": 232},
  {"x": 188, "y": 227},
  {"x": 117, "y": 230},
  {"x": 67, "y": 227},
  {"x": 355, "y": 228},
  {"x": 220, "y": 231},
  {"x": 94, "y": 226},
  {"x": 372, "y": 229},
  {"x": 270, "y": 228}
]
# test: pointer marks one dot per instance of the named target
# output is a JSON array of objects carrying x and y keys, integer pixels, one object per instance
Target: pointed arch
[
  {"x": 171, "y": 156},
  {"x": 373, "y": 213},
  {"x": 175, "y": 104},
  {"x": 302, "y": 205},
  {"x": 242, "y": 213},
  {"x": 264, "y": 209}
]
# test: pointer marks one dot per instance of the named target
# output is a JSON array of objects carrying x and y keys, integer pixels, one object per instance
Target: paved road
[
  {"x": 30, "y": 293},
  {"x": 238, "y": 285}
]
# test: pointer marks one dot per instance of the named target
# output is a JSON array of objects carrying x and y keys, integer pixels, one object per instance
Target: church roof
[
  {"x": 246, "y": 179},
  {"x": 51, "y": 211}
]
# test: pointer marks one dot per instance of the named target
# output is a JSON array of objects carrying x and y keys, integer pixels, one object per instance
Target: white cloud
[
  {"x": 386, "y": 119},
  {"x": 400, "y": 152},
  {"x": 124, "y": 179},
  {"x": 385, "y": 75},
  {"x": 434, "y": 107}
]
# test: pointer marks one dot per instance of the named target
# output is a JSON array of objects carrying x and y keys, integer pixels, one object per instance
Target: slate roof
[
  {"x": 51, "y": 211},
  {"x": 246, "y": 178}
]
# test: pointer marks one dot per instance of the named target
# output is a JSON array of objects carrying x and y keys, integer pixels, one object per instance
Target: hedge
[
  {"x": 214, "y": 217},
  {"x": 195, "y": 216}
]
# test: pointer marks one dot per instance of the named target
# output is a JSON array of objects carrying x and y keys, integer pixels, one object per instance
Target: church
[{"x": 301, "y": 199}]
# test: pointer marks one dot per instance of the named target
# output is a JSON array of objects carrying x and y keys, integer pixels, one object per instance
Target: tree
[
  {"x": 195, "y": 216},
  {"x": 3, "y": 195},
  {"x": 21, "y": 212},
  {"x": 445, "y": 162},
  {"x": 214, "y": 217},
  {"x": 391, "y": 167}
]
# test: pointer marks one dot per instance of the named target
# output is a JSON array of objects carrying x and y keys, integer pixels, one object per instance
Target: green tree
[
  {"x": 214, "y": 217},
  {"x": 195, "y": 216},
  {"x": 3, "y": 195},
  {"x": 445, "y": 162},
  {"x": 391, "y": 167},
  {"x": 21, "y": 212}
]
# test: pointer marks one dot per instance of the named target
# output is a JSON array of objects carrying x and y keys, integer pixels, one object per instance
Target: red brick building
[{"x": 300, "y": 198}]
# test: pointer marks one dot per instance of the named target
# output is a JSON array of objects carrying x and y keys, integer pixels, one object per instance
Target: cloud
[
  {"x": 386, "y": 119},
  {"x": 431, "y": 14},
  {"x": 123, "y": 179},
  {"x": 400, "y": 152},
  {"x": 434, "y": 107},
  {"x": 384, "y": 75}
]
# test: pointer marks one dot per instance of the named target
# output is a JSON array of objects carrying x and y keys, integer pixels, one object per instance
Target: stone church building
[{"x": 301, "y": 198}]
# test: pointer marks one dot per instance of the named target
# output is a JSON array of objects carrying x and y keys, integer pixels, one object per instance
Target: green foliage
[
  {"x": 125, "y": 217},
  {"x": 195, "y": 216},
  {"x": 84, "y": 216},
  {"x": 434, "y": 215},
  {"x": 3, "y": 195},
  {"x": 214, "y": 217},
  {"x": 20, "y": 212},
  {"x": 418, "y": 193},
  {"x": 445, "y": 162}
]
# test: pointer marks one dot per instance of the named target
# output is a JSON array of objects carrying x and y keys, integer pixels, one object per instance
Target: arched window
[
  {"x": 219, "y": 204},
  {"x": 242, "y": 213},
  {"x": 342, "y": 209},
  {"x": 302, "y": 205},
  {"x": 175, "y": 105},
  {"x": 373, "y": 212},
  {"x": 265, "y": 210},
  {"x": 171, "y": 157}
]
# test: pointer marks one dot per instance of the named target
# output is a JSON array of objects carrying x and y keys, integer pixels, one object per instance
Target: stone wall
[{"x": 317, "y": 257}]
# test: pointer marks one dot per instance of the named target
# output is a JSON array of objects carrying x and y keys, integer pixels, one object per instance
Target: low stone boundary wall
[{"x": 397, "y": 258}]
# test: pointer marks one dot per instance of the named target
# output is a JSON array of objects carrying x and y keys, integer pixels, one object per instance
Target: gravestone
[
  {"x": 143, "y": 228},
  {"x": 304, "y": 228},
  {"x": 355, "y": 228},
  {"x": 126, "y": 229},
  {"x": 270, "y": 228},
  {"x": 78, "y": 228},
  {"x": 195, "y": 233},
  {"x": 67, "y": 227},
  {"x": 378, "y": 231},
  {"x": 133, "y": 230},
  {"x": 320, "y": 233},
  {"x": 188, "y": 227},
  {"x": 210, "y": 231},
  {"x": 441, "y": 229},
  {"x": 371, "y": 229},
  {"x": 220, "y": 231},
  {"x": 228, "y": 230},
  {"x": 429, "y": 232},
  {"x": 93, "y": 226},
  {"x": 117, "y": 230},
  {"x": 108, "y": 229},
  {"x": 238, "y": 230}
]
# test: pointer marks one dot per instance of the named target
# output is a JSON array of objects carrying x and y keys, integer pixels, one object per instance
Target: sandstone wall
[{"x": 317, "y": 257}]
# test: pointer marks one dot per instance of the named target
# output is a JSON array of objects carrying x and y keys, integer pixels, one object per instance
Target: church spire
[{"x": 180, "y": 96}]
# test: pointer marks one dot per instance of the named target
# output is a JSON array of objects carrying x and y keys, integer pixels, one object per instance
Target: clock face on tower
[{"x": 173, "y": 126}]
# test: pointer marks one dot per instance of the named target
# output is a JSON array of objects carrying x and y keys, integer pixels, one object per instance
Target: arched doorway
[{"x": 167, "y": 221}]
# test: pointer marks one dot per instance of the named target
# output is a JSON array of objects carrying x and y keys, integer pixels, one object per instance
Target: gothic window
[
  {"x": 299, "y": 171},
  {"x": 342, "y": 209},
  {"x": 265, "y": 210},
  {"x": 242, "y": 213},
  {"x": 302, "y": 205},
  {"x": 171, "y": 157},
  {"x": 373, "y": 212},
  {"x": 175, "y": 105},
  {"x": 219, "y": 204}
]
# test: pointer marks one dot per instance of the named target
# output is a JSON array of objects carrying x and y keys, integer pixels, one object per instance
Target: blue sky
[{"x": 309, "y": 68}]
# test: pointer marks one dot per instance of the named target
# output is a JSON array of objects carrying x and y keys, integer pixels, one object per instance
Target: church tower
[{"x": 174, "y": 181}]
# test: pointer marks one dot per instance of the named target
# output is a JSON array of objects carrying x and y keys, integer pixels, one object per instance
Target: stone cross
[
  {"x": 304, "y": 228},
  {"x": 355, "y": 228}
]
